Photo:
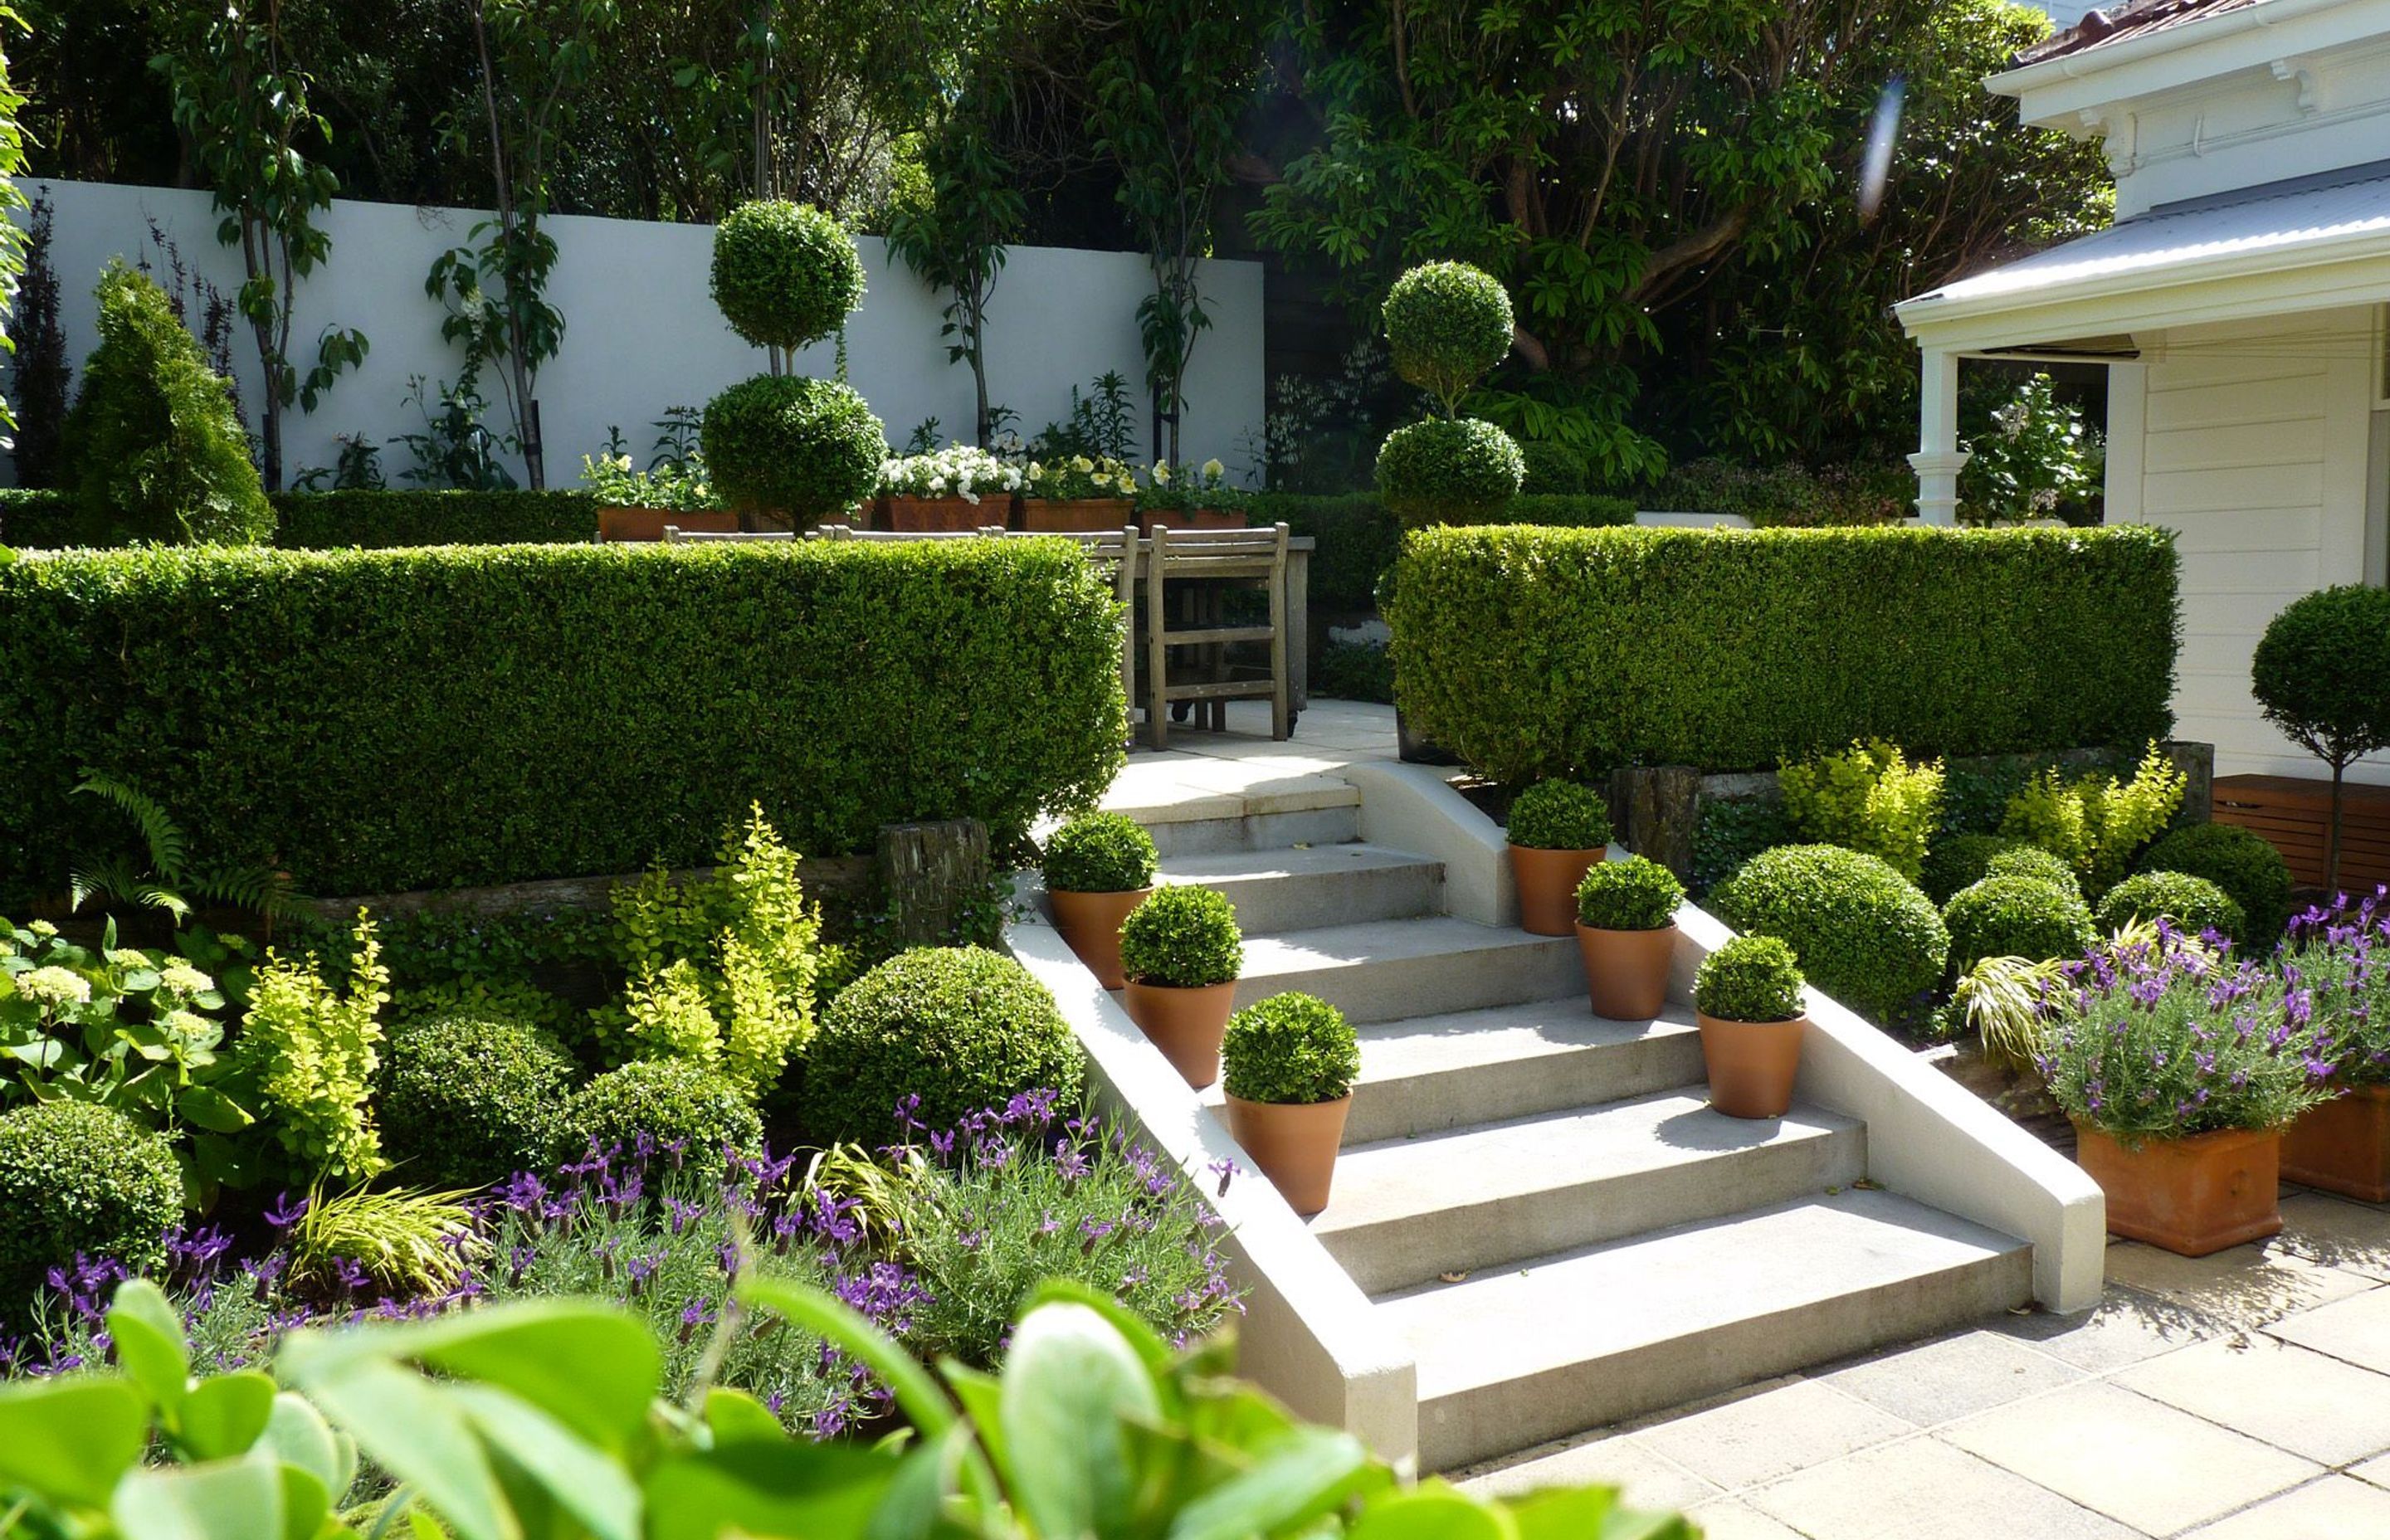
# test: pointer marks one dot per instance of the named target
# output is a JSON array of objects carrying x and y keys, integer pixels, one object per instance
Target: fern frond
[
  {"x": 105, "y": 880},
  {"x": 156, "y": 896},
  {"x": 168, "y": 846},
  {"x": 260, "y": 889}
]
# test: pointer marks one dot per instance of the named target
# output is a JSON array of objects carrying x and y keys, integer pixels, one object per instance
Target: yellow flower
[
  {"x": 1083, "y": 465},
  {"x": 1213, "y": 470},
  {"x": 1160, "y": 473}
]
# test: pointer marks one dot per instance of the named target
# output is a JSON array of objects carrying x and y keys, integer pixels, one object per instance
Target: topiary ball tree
[
  {"x": 805, "y": 449},
  {"x": 1448, "y": 471},
  {"x": 2322, "y": 673},
  {"x": 785, "y": 275},
  {"x": 1447, "y": 324}
]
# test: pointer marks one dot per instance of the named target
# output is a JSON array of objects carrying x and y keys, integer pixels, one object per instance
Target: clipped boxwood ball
[
  {"x": 1864, "y": 933},
  {"x": 2039, "y": 864},
  {"x": 2187, "y": 903},
  {"x": 1750, "y": 979},
  {"x": 468, "y": 1100},
  {"x": 1557, "y": 814},
  {"x": 1955, "y": 861},
  {"x": 1448, "y": 471},
  {"x": 785, "y": 275},
  {"x": 1182, "y": 937},
  {"x": 961, "y": 1027},
  {"x": 1290, "y": 1050},
  {"x": 1447, "y": 324},
  {"x": 2251, "y": 872},
  {"x": 79, "y": 1177},
  {"x": 2016, "y": 917},
  {"x": 1099, "y": 852},
  {"x": 782, "y": 444},
  {"x": 2321, "y": 672},
  {"x": 673, "y": 1101}
]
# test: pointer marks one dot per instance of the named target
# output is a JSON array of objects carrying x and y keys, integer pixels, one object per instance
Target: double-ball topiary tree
[{"x": 1447, "y": 324}]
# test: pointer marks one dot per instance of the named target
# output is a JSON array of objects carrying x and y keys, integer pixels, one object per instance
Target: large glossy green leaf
[
  {"x": 69, "y": 1440},
  {"x": 1434, "y": 1512},
  {"x": 796, "y": 1488},
  {"x": 1314, "y": 1473},
  {"x": 298, "y": 1435},
  {"x": 582, "y": 1480},
  {"x": 737, "y": 1418},
  {"x": 208, "y": 1108},
  {"x": 416, "y": 1432},
  {"x": 305, "y": 1504},
  {"x": 224, "y": 1414},
  {"x": 1068, "y": 1381},
  {"x": 222, "y": 1500},
  {"x": 149, "y": 1337}
]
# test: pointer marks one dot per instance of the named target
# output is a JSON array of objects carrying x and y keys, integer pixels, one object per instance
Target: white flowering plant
[
  {"x": 681, "y": 488},
  {"x": 1076, "y": 476},
  {"x": 1175, "y": 488},
  {"x": 958, "y": 471}
]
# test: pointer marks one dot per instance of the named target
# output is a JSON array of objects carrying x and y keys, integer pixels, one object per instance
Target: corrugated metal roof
[
  {"x": 2281, "y": 216},
  {"x": 2134, "y": 18}
]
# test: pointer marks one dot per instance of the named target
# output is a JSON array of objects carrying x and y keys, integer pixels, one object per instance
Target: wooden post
[
  {"x": 930, "y": 873},
  {"x": 1657, "y": 809}
]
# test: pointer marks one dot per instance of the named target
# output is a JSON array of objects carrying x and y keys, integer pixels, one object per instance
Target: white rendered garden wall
[{"x": 642, "y": 334}]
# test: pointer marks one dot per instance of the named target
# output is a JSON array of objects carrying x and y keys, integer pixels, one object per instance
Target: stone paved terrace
[{"x": 1199, "y": 774}]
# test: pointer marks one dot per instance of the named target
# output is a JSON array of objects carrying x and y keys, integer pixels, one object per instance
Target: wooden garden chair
[{"x": 1214, "y": 557}]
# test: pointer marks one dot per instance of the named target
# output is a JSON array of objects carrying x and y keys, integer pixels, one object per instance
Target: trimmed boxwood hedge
[
  {"x": 1359, "y": 536},
  {"x": 386, "y": 720},
  {"x": 330, "y": 520},
  {"x": 1537, "y": 652}
]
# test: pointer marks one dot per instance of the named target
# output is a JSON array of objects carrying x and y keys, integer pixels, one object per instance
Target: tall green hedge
[
  {"x": 1359, "y": 538},
  {"x": 384, "y": 720},
  {"x": 1535, "y": 652},
  {"x": 330, "y": 521}
]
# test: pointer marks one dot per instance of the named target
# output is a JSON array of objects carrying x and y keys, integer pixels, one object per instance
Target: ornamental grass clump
[
  {"x": 2158, "y": 1038},
  {"x": 1559, "y": 816},
  {"x": 2190, "y": 904},
  {"x": 1183, "y": 937},
  {"x": 1290, "y": 1050},
  {"x": 2340, "y": 955},
  {"x": 1750, "y": 979},
  {"x": 1635, "y": 893},
  {"x": 1101, "y": 852},
  {"x": 2016, "y": 917}
]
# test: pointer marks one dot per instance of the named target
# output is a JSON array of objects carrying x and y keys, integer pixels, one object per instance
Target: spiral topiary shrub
[
  {"x": 1750, "y": 979},
  {"x": 1099, "y": 852},
  {"x": 1183, "y": 937},
  {"x": 807, "y": 449},
  {"x": 465, "y": 1100},
  {"x": 1864, "y": 933},
  {"x": 960, "y": 1027},
  {"x": 1954, "y": 861},
  {"x": 1632, "y": 895},
  {"x": 1447, "y": 324},
  {"x": 79, "y": 1177},
  {"x": 2251, "y": 872},
  {"x": 1289, "y": 1050},
  {"x": 1448, "y": 471},
  {"x": 2016, "y": 917},
  {"x": 1559, "y": 816},
  {"x": 2040, "y": 866},
  {"x": 785, "y": 275},
  {"x": 678, "y": 1104},
  {"x": 2187, "y": 903}
]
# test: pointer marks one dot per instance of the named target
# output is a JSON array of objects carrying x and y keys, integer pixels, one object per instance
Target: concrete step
[
  {"x": 1390, "y": 969},
  {"x": 1566, "y": 1344},
  {"x": 1434, "y": 1072},
  {"x": 1315, "y": 885},
  {"x": 1274, "y": 812},
  {"x": 1480, "y": 1198}
]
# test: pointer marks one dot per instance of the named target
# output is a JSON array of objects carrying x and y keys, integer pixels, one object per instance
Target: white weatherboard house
[{"x": 2238, "y": 301}]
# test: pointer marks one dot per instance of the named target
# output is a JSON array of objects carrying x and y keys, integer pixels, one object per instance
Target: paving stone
[
  {"x": 2356, "y": 1329},
  {"x": 1645, "y": 1479},
  {"x": 2123, "y": 1328},
  {"x": 2377, "y": 1471},
  {"x": 2337, "y": 1232},
  {"x": 1760, "y": 1437},
  {"x": 2291, "y": 1398},
  {"x": 2244, "y": 1287},
  {"x": 1954, "y": 1377},
  {"x": 2333, "y": 1508},
  {"x": 1923, "y": 1489},
  {"x": 2138, "y": 1461},
  {"x": 1729, "y": 1519}
]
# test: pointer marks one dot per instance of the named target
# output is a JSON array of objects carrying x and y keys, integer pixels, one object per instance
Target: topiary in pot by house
[
  {"x": 785, "y": 275},
  {"x": 1181, "y": 950},
  {"x": 1954, "y": 861},
  {"x": 1448, "y": 471},
  {"x": 1098, "y": 867},
  {"x": 1447, "y": 324},
  {"x": 1747, "y": 1002},
  {"x": 672, "y": 1101},
  {"x": 1627, "y": 935},
  {"x": 1864, "y": 933},
  {"x": 1291, "y": 1061},
  {"x": 2016, "y": 917},
  {"x": 2322, "y": 673},
  {"x": 962, "y": 1028},
  {"x": 154, "y": 449},
  {"x": 1558, "y": 829},
  {"x": 2188, "y": 903},
  {"x": 467, "y": 1100},
  {"x": 2251, "y": 872},
  {"x": 77, "y": 1177},
  {"x": 2036, "y": 865},
  {"x": 805, "y": 449}
]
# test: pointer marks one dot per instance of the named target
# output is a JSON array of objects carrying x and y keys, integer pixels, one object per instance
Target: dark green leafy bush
[
  {"x": 785, "y": 275},
  {"x": 589, "y": 709},
  {"x": 2322, "y": 673},
  {"x": 1354, "y": 671},
  {"x": 1535, "y": 652},
  {"x": 2251, "y": 872},
  {"x": 154, "y": 449},
  {"x": 1289, "y": 1050},
  {"x": 2033, "y": 862},
  {"x": 467, "y": 1100},
  {"x": 1728, "y": 832},
  {"x": 671, "y": 1101},
  {"x": 1448, "y": 471},
  {"x": 783, "y": 444},
  {"x": 330, "y": 520},
  {"x": 1447, "y": 323},
  {"x": 2016, "y": 917},
  {"x": 1359, "y": 536},
  {"x": 1863, "y": 933},
  {"x": 1558, "y": 815},
  {"x": 960, "y": 1027},
  {"x": 1750, "y": 979},
  {"x": 1955, "y": 861},
  {"x": 1552, "y": 468},
  {"x": 1099, "y": 852},
  {"x": 1183, "y": 937},
  {"x": 79, "y": 1177},
  {"x": 2188, "y": 903},
  {"x": 1787, "y": 494},
  {"x": 1632, "y": 894}
]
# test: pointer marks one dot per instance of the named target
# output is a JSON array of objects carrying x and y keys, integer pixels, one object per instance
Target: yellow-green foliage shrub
[
  {"x": 313, "y": 1049},
  {"x": 1867, "y": 798},
  {"x": 2094, "y": 822}
]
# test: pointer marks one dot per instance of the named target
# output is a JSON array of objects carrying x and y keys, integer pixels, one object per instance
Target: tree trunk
[{"x": 2332, "y": 838}]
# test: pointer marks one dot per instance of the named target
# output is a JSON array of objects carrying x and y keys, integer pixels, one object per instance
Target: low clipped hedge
[
  {"x": 385, "y": 719},
  {"x": 331, "y": 520},
  {"x": 1539, "y": 652},
  {"x": 1359, "y": 536},
  {"x": 1863, "y": 933},
  {"x": 2016, "y": 917}
]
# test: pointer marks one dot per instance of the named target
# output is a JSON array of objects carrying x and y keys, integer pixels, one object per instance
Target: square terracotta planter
[
  {"x": 1076, "y": 515},
  {"x": 1191, "y": 518},
  {"x": 938, "y": 515},
  {"x": 2343, "y": 1146},
  {"x": 2190, "y": 1196},
  {"x": 642, "y": 525}
]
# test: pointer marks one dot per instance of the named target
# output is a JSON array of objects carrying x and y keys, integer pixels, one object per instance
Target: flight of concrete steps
[{"x": 1541, "y": 1202}]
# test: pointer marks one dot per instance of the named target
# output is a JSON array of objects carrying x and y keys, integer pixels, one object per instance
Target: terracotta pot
[
  {"x": 1295, "y": 1145},
  {"x": 2343, "y": 1146},
  {"x": 931, "y": 515},
  {"x": 1192, "y": 518},
  {"x": 649, "y": 523},
  {"x": 1752, "y": 1064},
  {"x": 1547, "y": 881},
  {"x": 1626, "y": 971},
  {"x": 1076, "y": 515},
  {"x": 2190, "y": 1196},
  {"x": 1185, "y": 1024},
  {"x": 1090, "y": 925}
]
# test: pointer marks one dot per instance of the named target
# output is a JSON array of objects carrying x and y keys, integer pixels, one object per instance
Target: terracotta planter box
[
  {"x": 1547, "y": 881},
  {"x": 1295, "y": 1145},
  {"x": 1076, "y": 515},
  {"x": 2343, "y": 1146},
  {"x": 2190, "y": 1196},
  {"x": 1626, "y": 971},
  {"x": 632, "y": 524},
  {"x": 1752, "y": 1064},
  {"x": 1185, "y": 1024},
  {"x": 1192, "y": 518},
  {"x": 1089, "y": 925},
  {"x": 937, "y": 515}
]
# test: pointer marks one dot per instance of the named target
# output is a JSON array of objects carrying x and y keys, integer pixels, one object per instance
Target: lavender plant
[{"x": 2341, "y": 957}]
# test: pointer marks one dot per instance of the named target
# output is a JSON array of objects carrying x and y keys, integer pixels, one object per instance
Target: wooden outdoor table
[{"x": 1298, "y": 614}]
